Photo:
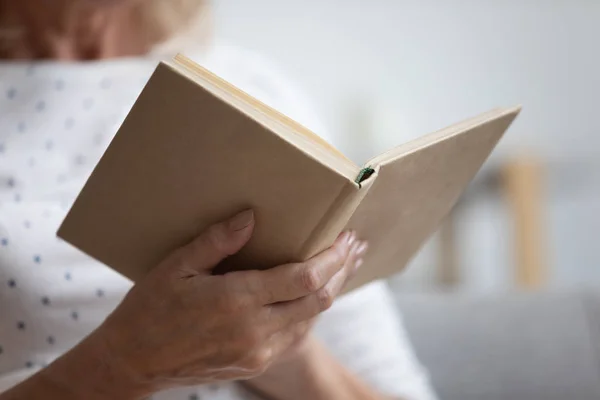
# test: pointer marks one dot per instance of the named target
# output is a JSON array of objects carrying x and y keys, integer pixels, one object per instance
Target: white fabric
[{"x": 55, "y": 122}]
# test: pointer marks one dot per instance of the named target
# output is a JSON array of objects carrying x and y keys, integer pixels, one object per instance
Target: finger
[
  {"x": 295, "y": 311},
  {"x": 292, "y": 281},
  {"x": 357, "y": 262},
  {"x": 336, "y": 284},
  {"x": 218, "y": 242}
]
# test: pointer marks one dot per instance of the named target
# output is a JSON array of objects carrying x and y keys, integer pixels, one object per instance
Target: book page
[{"x": 414, "y": 190}]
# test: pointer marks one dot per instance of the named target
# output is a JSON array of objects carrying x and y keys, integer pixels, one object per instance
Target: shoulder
[{"x": 264, "y": 80}]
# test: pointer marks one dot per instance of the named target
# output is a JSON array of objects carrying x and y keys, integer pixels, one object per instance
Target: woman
[{"x": 180, "y": 333}]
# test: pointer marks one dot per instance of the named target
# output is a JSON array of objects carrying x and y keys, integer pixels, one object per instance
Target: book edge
[
  {"x": 435, "y": 137},
  {"x": 325, "y": 157}
]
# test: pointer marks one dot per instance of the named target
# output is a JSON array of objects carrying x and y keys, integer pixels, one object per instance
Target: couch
[{"x": 531, "y": 346}]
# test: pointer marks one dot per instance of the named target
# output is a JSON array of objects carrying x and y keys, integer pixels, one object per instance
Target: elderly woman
[{"x": 70, "y": 71}]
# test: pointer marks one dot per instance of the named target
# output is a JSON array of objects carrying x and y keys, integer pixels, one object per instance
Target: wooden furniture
[
  {"x": 523, "y": 191},
  {"x": 520, "y": 183}
]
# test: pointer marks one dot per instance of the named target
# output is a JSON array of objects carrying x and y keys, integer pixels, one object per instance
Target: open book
[{"x": 194, "y": 150}]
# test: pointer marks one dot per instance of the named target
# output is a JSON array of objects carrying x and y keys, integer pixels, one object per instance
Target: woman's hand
[
  {"x": 302, "y": 330},
  {"x": 183, "y": 326}
]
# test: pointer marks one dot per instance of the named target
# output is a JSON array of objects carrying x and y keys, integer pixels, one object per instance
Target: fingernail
[
  {"x": 351, "y": 238},
  {"x": 241, "y": 220},
  {"x": 354, "y": 247},
  {"x": 362, "y": 248},
  {"x": 358, "y": 263},
  {"x": 343, "y": 238}
]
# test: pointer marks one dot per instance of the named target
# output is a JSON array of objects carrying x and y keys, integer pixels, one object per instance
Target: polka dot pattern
[
  {"x": 56, "y": 120},
  {"x": 56, "y": 128}
]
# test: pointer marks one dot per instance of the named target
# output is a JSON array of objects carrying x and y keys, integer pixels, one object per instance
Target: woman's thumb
[{"x": 220, "y": 241}]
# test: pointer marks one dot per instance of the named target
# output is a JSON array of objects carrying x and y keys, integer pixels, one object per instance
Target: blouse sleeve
[{"x": 364, "y": 330}]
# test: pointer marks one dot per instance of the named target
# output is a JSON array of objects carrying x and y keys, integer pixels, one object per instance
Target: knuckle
[
  {"x": 310, "y": 278},
  {"x": 253, "y": 338},
  {"x": 325, "y": 298},
  {"x": 214, "y": 238},
  {"x": 183, "y": 265},
  {"x": 258, "y": 361},
  {"x": 177, "y": 259},
  {"x": 338, "y": 256},
  {"x": 254, "y": 285}
]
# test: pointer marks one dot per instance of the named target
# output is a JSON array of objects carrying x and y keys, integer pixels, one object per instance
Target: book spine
[{"x": 335, "y": 218}]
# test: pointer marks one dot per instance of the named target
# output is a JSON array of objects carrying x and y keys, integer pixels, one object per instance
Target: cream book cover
[{"x": 194, "y": 150}]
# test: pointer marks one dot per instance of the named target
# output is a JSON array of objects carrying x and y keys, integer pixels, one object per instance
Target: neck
[{"x": 70, "y": 30}]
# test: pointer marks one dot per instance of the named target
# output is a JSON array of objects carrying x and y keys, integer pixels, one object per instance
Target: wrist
[{"x": 304, "y": 375}]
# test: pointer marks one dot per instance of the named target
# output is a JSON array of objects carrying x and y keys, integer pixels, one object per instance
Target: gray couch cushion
[{"x": 518, "y": 346}]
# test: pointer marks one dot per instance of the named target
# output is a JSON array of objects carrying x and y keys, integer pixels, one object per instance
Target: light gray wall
[{"x": 384, "y": 71}]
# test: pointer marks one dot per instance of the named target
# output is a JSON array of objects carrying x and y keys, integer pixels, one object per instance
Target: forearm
[
  {"x": 315, "y": 375},
  {"x": 81, "y": 373}
]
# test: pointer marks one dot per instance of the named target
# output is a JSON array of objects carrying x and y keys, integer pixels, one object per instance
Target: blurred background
[
  {"x": 386, "y": 71},
  {"x": 502, "y": 302}
]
